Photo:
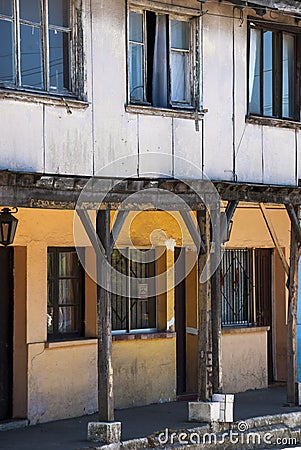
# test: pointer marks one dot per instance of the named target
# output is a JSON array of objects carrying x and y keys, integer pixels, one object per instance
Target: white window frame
[
  {"x": 174, "y": 13},
  {"x": 74, "y": 57}
]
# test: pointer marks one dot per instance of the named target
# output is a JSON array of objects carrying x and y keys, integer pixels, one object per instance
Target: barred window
[
  {"x": 236, "y": 286},
  {"x": 133, "y": 305}
]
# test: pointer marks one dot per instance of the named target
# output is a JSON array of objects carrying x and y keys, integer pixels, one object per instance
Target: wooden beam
[
  {"x": 274, "y": 238},
  {"x": 104, "y": 324},
  {"x": 117, "y": 226},
  {"x": 216, "y": 304},
  {"x": 230, "y": 210},
  {"x": 292, "y": 316},
  {"x": 90, "y": 230},
  {"x": 295, "y": 222},
  {"x": 193, "y": 230},
  {"x": 204, "y": 313}
]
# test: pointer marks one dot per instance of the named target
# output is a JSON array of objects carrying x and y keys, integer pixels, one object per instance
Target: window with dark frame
[
  {"x": 274, "y": 78},
  {"x": 35, "y": 45},
  {"x": 161, "y": 60},
  {"x": 236, "y": 287},
  {"x": 136, "y": 310},
  {"x": 246, "y": 287},
  {"x": 65, "y": 304}
]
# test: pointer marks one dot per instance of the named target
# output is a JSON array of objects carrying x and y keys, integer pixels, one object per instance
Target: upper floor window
[
  {"x": 161, "y": 60},
  {"x": 65, "y": 305},
  {"x": 35, "y": 45},
  {"x": 273, "y": 80}
]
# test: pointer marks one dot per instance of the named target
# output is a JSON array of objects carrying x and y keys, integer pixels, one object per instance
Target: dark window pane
[
  {"x": 268, "y": 73},
  {"x": 136, "y": 27},
  {"x": 254, "y": 71},
  {"x": 180, "y": 35},
  {"x": 59, "y": 60},
  {"x": 6, "y": 7},
  {"x": 50, "y": 320},
  {"x": 51, "y": 293},
  {"x": 31, "y": 56},
  {"x": 50, "y": 264},
  {"x": 6, "y": 51},
  {"x": 288, "y": 75},
  {"x": 68, "y": 264},
  {"x": 68, "y": 292},
  {"x": 30, "y": 10},
  {"x": 68, "y": 319},
  {"x": 58, "y": 12}
]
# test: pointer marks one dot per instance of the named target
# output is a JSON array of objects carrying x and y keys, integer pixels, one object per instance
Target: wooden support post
[
  {"x": 216, "y": 303},
  {"x": 295, "y": 222},
  {"x": 292, "y": 315},
  {"x": 204, "y": 313},
  {"x": 104, "y": 326}
]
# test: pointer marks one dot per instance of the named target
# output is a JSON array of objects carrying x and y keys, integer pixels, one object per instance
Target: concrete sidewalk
[{"x": 70, "y": 434}]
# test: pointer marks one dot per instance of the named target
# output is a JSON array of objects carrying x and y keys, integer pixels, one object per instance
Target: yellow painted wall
[
  {"x": 244, "y": 360},
  {"x": 144, "y": 371},
  {"x": 61, "y": 381}
]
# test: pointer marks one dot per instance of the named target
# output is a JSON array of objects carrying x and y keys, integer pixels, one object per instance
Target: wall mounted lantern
[{"x": 8, "y": 226}]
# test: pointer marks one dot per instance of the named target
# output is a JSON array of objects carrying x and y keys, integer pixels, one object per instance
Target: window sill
[
  {"x": 241, "y": 330},
  {"x": 269, "y": 121},
  {"x": 43, "y": 98},
  {"x": 163, "y": 112},
  {"x": 143, "y": 336},
  {"x": 70, "y": 343}
]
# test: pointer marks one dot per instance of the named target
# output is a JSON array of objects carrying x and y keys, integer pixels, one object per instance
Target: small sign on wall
[{"x": 142, "y": 291}]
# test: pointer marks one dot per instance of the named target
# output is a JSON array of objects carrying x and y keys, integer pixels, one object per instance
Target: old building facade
[{"x": 144, "y": 96}]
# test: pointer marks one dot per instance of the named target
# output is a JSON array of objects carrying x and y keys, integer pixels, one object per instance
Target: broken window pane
[
  {"x": 268, "y": 73},
  {"x": 59, "y": 60},
  {"x": 254, "y": 71},
  {"x": 30, "y": 10},
  {"x": 6, "y": 8},
  {"x": 288, "y": 72},
  {"x": 31, "y": 56},
  {"x": 136, "y": 70},
  {"x": 136, "y": 52},
  {"x": 6, "y": 51},
  {"x": 58, "y": 13}
]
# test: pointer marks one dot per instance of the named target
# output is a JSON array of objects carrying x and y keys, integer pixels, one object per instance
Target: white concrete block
[
  {"x": 226, "y": 402},
  {"x": 104, "y": 432},
  {"x": 203, "y": 411}
]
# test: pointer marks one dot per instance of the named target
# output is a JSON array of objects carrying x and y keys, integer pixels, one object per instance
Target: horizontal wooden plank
[{"x": 32, "y": 190}]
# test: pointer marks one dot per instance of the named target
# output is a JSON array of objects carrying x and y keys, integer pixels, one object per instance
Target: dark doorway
[
  {"x": 264, "y": 316},
  {"x": 6, "y": 331},
  {"x": 180, "y": 319}
]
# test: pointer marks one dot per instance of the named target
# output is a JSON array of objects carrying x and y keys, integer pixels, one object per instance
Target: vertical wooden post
[
  {"x": 204, "y": 311},
  {"x": 292, "y": 315},
  {"x": 104, "y": 325},
  {"x": 216, "y": 304}
]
